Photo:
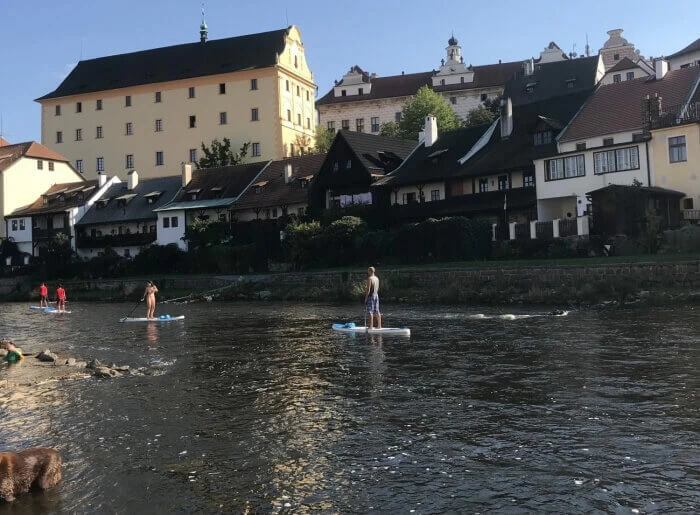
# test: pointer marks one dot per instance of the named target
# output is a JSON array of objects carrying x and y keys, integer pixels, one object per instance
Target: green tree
[
  {"x": 324, "y": 139},
  {"x": 390, "y": 129},
  {"x": 479, "y": 116},
  {"x": 219, "y": 153},
  {"x": 494, "y": 105},
  {"x": 426, "y": 102}
]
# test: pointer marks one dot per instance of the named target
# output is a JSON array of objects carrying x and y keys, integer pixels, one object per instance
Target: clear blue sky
[{"x": 41, "y": 40}]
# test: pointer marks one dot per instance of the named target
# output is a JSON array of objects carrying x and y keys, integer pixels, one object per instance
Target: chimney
[
  {"x": 186, "y": 174},
  {"x": 660, "y": 67},
  {"x": 431, "y": 131},
  {"x": 506, "y": 117},
  {"x": 133, "y": 179},
  {"x": 529, "y": 66},
  {"x": 421, "y": 137},
  {"x": 287, "y": 173},
  {"x": 101, "y": 179}
]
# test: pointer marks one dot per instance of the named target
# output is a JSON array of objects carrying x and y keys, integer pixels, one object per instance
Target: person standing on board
[
  {"x": 150, "y": 295},
  {"x": 44, "y": 294},
  {"x": 60, "y": 298},
  {"x": 372, "y": 298}
]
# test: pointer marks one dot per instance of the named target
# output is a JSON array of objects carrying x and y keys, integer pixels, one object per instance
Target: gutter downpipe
[{"x": 646, "y": 144}]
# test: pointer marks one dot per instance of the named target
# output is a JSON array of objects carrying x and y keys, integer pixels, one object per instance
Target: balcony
[
  {"x": 673, "y": 115},
  {"x": 489, "y": 202},
  {"x": 48, "y": 234},
  {"x": 116, "y": 240},
  {"x": 691, "y": 215}
]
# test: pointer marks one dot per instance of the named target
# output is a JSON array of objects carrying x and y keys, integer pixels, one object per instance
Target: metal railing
[{"x": 669, "y": 116}]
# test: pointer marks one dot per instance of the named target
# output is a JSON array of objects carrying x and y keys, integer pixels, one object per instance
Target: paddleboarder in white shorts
[{"x": 372, "y": 298}]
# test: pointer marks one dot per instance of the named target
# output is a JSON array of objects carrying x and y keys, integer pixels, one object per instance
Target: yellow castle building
[{"x": 152, "y": 110}]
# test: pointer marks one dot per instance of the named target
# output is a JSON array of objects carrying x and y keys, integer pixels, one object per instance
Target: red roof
[
  {"x": 59, "y": 198},
  {"x": 618, "y": 107},
  {"x": 3, "y": 142},
  {"x": 11, "y": 153}
]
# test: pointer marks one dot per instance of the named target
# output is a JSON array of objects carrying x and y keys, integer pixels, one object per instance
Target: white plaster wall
[
  {"x": 21, "y": 235},
  {"x": 638, "y": 72},
  {"x": 398, "y": 199},
  {"x": 597, "y": 141},
  {"x": 691, "y": 58},
  {"x": 169, "y": 235},
  {"x": 557, "y": 208}
]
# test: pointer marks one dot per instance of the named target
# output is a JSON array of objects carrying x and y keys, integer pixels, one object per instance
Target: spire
[{"x": 203, "y": 28}]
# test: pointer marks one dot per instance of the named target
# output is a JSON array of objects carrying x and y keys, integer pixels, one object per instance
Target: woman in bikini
[{"x": 150, "y": 295}]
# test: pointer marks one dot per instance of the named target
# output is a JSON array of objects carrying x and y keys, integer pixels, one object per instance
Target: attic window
[
  {"x": 216, "y": 191},
  {"x": 45, "y": 200},
  {"x": 437, "y": 153},
  {"x": 125, "y": 199},
  {"x": 530, "y": 87},
  {"x": 336, "y": 166},
  {"x": 570, "y": 83},
  {"x": 152, "y": 196},
  {"x": 543, "y": 137},
  {"x": 62, "y": 197},
  {"x": 258, "y": 187}
]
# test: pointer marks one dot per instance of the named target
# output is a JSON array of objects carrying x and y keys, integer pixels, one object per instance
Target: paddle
[{"x": 132, "y": 310}]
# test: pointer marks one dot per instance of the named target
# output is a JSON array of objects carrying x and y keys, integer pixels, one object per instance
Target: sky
[{"x": 42, "y": 40}]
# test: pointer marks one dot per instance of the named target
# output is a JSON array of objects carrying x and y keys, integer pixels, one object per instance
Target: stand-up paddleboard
[
  {"x": 352, "y": 328},
  {"x": 54, "y": 311},
  {"x": 40, "y": 307},
  {"x": 161, "y": 318}
]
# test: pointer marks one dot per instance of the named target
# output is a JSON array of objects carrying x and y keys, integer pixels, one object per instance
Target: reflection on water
[{"x": 263, "y": 408}]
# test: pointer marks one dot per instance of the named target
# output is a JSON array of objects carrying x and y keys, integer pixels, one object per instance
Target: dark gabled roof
[
  {"x": 171, "y": 63},
  {"x": 137, "y": 208},
  {"x": 227, "y": 182},
  {"x": 485, "y": 76},
  {"x": 619, "y": 107},
  {"x": 648, "y": 189},
  {"x": 373, "y": 151},
  {"x": 624, "y": 64},
  {"x": 437, "y": 162},
  {"x": 518, "y": 151},
  {"x": 276, "y": 191},
  {"x": 693, "y": 47},
  {"x": 553, "y": 79},
  {"x": 11, "y": 153},
  {"x": 61, "y": 197}
]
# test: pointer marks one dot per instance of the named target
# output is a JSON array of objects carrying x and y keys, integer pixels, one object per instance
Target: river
[{"x": 261, "y": 408}]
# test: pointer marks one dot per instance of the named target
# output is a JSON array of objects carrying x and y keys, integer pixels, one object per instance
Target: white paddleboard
[
  {"x": 161, "y": 318},
  {"x": 394, "y": 331},
  {"x": 54, "y": 311}
]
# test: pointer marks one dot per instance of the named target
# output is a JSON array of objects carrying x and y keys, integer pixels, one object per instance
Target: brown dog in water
[{"x": 20, "y": 471}]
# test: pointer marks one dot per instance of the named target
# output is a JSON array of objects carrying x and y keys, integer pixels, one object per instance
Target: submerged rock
[
  {"x": 94, "y": 364},
  {"x": 47, "y": 356}
]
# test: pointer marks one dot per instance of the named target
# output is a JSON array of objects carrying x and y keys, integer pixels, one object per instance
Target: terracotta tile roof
[
  {"x": 57, "y": 202},
  {"x": 11, "y": 153},
  {"x": 693, "y": 47},
  {"x": 624, "y": 64},
  {"x": 618, "y": 107},
  {"x": 276, "y": 192},
  {"x": 3, "y": 142},
  {"x": 406, "y": 85},
  {"x": 173, "y": 63}
]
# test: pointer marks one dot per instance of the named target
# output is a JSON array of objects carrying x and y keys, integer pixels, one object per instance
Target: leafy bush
[
  {"x": 302, "y": 242},
  {"x": 341, "y": 239}
]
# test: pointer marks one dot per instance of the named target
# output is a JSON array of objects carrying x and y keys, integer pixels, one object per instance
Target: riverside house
[
  {"x": 609, "y": 142},
  {"x": 208, "y": 194},
  {"x": 123, "y": 217},
  {"x": 26, "y": 171},
  {"x": 281, "y": 189},
  {"x": 54, "y": 213}
]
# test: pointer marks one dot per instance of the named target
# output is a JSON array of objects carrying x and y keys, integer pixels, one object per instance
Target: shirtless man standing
[{"x": 150, "y": 295}]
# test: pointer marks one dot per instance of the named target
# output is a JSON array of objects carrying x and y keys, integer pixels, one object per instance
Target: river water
[{"x": 261, "y": 408}]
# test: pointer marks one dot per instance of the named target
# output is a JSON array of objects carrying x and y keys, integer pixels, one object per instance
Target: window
[
  {"x": 274, "y": 212},
  {"x": 639, "y": 136},
  {"x": 528, "y": 181},
  {"x": 687, "y": 204},
  {"x": 345, "y": 124},
  {"x": 298, "y": 91},
  {"x": 253, "y": 84},
  {"x": 308, "y": 96},
  {"x": 331, "y": 127},
  {"x": 78, "y": 107},
  {"x": 23, "y": 226},
  {"x": 100, "y": 164},
  {"x": 677, "y": 152},
  {"x": 298, "y": 118},
  {"x": 166, "y": 222},
  {"x": 581, "y": 146},
  {"x": 296, "y": 61},
  {"x": 193, "y": 121},
  {"x": 301, "y": 211},
  {"x": 308, "y": 123},
  {"x": 254, "y": 116},
  {"x": 222, "y": 88},
  {"x": 98, "y": 132},
  {"x": 286, "y": 85},
  {"x": 375, "y": 123},
  {"x": 190, "y": 92},
  {"x": 193, "y": 155},
  {"x": 461, "y": 80},
  {"x": 343, "y": 93},
  {"x": 543, "y": 137},
  {"x": 291, "y": 149},
  {"x": 159, "y": 125},
  {"x": 409, "y": 198},
  {"x": 159, "y": 158},
  {"x": 434, "y": 195},
  {"x": 174, "y": 221},
  {"x": 630, "y": 75},
  {"x": 503, "y": 182},
  {"x": 158, "y": 98},
  {"x": 51, "y": 168},
  {"x": 39, "y": 165},
  {"x": 59, "y": 137},
  {"x": 617, "y": 77},
  {"x": 255, "y": 149},
  {"x": 564, "y": 168},
  {"x": 222, "y": 118},
  {"x": 336, "y": 166},
  {"x": 397, "y": 116},
  {"x": 14, "y": 225},
  {"x": 78, "y": 134},
  {"x": 483, "y": 185},
  {"x": 361, "y": 91},
  {"x": 453, "y": 100},
  {"x": 442, "y": 82},
  {"x": 129, "y": 161},
  {"x": 79, "y": 165},
  {"x": 616, "y": 57},
  {"x": 127, "y": 101},
  {"x": 608, "y": 141},
  {"x": 98, "y": 104},
  {"x": 127, "y": 253},
  {"x": 360, "y": 125},
  {"x": 289, "y": 115},
  {"x": 616, "y": 160},
  {"x": 58, "y": 110},
  {"x": 348, "y": 164},
  {"x": 129, "y": 128}
]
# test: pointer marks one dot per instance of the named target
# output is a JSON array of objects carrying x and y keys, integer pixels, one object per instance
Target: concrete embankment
[{"x": 648, "y": 283}]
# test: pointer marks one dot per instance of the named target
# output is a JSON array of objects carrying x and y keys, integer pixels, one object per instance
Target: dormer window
[
  {"x": 336, "y": 166},
  {"x": 259, "y": 187},
  {"x": 45, "y": 200},
  {"x": 570, "y": 83},
  {"x": 543, "y": 137},
  {"x": 343, "y": 93},
  {"x": 152, "y": 196},
  {"x": 61, "y": 198},
  {"x": 361, "y": 91},
  {"x": 348, "y": 164},
  {"x": 216, "y": 191},
  {"x": 530, "y": 87}
]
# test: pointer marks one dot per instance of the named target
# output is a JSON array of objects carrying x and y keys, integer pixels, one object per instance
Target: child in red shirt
[
  {"x": 44, "y": 294},
  {"x": 60, "y": 298}
]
